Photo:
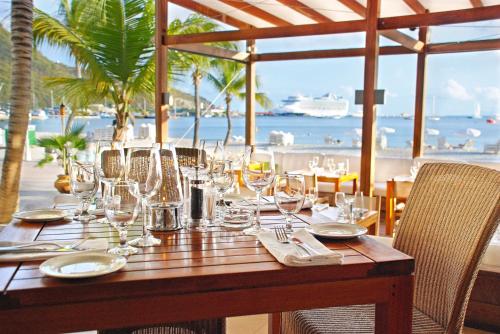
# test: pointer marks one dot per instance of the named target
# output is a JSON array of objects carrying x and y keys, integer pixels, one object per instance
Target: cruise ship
[{"x": 328, "y": 105}]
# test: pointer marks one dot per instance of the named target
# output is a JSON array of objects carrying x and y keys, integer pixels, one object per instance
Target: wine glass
[
  {"x": 358, "y": 204},
  {"x": 258, "y": 173},
  {"x": 222, "y": 176},
  {"x": 83, "y": 185},
  {"x": 121, "y": 207},
  {"x": 340, "y": 203},
  {"x": 289, "y": 195},
  {"x": 315, "y": 162},
  {"x": 110, "y": 161},
  {"x": 144, "y": 167}
]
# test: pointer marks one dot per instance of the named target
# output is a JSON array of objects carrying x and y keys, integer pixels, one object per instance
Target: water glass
[
  {"x": 289, "y": 195},
  {"x": 258, "y": 173},
  {"x": 143, "y": 166},
  {"x": 83, "y": 185},
  {"x": 121, "y": 206},
  {"x": 358, "y": 205},
  {"x": 340, "y": 203},
  {"x": 222, "y": 177},
  {"x": 312, "y": 195}
]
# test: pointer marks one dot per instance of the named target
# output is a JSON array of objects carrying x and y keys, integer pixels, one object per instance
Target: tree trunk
[
  {"x": 22, "y": 45},
  {"x": 229, "y": 124},
  {"x": 197, "y": 113},
  {"x": 121, "y": 121},
  {"x": 74, "y": 108}
]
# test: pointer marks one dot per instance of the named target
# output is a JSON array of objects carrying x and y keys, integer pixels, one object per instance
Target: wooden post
[
  {"x": 161, "y": 86},
  {"x": 369, "y": 108},
  {"x": 419, "y": 120},
  {"x": 250, "y": 95}
]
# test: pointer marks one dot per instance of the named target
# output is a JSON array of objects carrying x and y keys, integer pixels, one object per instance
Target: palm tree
[
  {"x": 22, "y": 47},
  {"x": 230, "y": 78},
  {"x": 198, "y": 65}
]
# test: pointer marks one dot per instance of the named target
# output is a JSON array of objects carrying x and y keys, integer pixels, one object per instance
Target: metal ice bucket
[{"x": 166, "y": 216}]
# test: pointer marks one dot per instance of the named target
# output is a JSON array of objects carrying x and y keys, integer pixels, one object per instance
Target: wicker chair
[
  {"x": 188, "y": 157},
  {"x": 452, "y": 212}
]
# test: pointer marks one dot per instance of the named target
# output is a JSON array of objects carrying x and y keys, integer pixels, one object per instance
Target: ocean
[{"x": 309, "y": 130}]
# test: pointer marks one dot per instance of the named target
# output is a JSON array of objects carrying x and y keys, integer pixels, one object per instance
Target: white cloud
[
  {"x": 347, "y": 91},
  {"x": 457, "y": 91},
  {"x": 491, "y": 93}
]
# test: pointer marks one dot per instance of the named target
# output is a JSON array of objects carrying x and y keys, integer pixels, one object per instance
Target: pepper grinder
[{"x": 196, "y": 185}]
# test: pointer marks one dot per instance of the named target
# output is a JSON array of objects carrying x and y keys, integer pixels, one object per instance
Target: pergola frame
[{"x": 372, "y": 24}]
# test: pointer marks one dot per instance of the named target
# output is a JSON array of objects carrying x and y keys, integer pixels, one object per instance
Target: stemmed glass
[
  {"x": 222, "y": 176},
  {"x": 340, "y": 203},
  {"x": 121, "y": 207},
  {"x": 258, "y": 173},
  {"x": 144, "y": 167},
  {"x": 83, "y": 185},
  {"x": 289, "y": 195},
  {"x": 312, "y": 195}
]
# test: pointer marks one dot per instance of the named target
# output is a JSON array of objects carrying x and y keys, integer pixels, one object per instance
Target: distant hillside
[{"x": 43, "y": 67}]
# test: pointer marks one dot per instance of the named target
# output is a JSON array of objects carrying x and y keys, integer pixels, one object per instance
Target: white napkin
[
  {"x": 94, "y": 245},
  {"x": 291, "y": 254},
  {"x": 266, "y": 204}
]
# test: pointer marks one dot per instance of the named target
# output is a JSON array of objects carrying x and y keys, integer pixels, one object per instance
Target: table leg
[
  {"x": 274, "y": 323},
  {"x": 395, "y": 316},
  {"x": 337, "y": 186},
  {"x": 389, "y": 208},
  {"x": 354, "y": 185}
]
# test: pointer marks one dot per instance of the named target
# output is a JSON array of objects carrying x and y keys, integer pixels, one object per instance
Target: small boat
[
  {"x": 470, "y": 132},
  {"x": 387, "y": 130},
  {"x": 434, "y": 116},
  {"x": 432, "y": 132},
  {"x": 491, "y": 121},
  {"x": 477, "y": 112}
]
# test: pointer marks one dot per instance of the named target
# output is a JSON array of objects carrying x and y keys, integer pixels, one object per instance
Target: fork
[
  {"x": 282, "y": 237},
  {"x": 60, "y": 248}
]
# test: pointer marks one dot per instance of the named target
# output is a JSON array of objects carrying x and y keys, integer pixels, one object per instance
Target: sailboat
[
  {"x": 434, "y": 116},
  {"x": 477, "y": 111}
]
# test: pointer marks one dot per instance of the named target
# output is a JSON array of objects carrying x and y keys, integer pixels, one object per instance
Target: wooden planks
[
  {"x": 306, "y": 10},
  {"x": 470, "y": 46},
  {"x": 212, "y": 51},
  {"x": 248, "y": 8},
  {"x": 189, "y": 270},
  {"x": 367, "y": 167}
]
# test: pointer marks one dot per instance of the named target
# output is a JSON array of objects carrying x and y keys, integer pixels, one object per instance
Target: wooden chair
[
  {"x": 395, "y": 199},
  {"x": 188, "y": 156},
  {"x": 451, "y": 214}
]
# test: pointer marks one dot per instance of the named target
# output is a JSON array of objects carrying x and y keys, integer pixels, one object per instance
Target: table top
[
  {"x": 187, "y": 261},
  {"x": 320, "y": 172}
]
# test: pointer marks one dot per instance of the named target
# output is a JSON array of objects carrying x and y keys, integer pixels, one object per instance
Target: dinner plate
[
  {"x": 41, "y": 215},
  {"x": 82, "y": 265},
  {"x": 337, "y": 230}
]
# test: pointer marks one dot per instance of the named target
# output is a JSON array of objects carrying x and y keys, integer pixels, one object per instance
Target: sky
[{"x": 456, "y": 83}]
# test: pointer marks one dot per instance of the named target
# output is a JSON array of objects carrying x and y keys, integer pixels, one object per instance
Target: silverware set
[
  {"x": 53, "y": 247},
  {"x": 281, "y": 236}
]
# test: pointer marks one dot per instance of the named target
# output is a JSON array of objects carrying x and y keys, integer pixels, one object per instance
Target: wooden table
[{"x": 199, "y": 275}]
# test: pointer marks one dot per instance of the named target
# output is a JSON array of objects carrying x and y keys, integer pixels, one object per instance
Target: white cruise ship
[{"x": 328, "y": 105}]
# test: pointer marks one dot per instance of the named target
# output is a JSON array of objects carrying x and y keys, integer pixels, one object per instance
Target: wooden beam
[
  {"x": 209, "y": 12},
  {"x": 273, "y": 32},
  {"x": 471, "y": 46},
  {"x": 403, "y": 39},
  {"x": 306, "y": 11},
  {"x": 257, "y": 12},
  {"x": 416, "y": 6},
  {"x": 332, "y": 53},
  {"x": 440, "y": 18},
  {"x": 250, "y": 85},
  {"x": 368, "y": 139},
  {"x": 212, "y": 51},
  {"x": 420, "y": 88},
  {"x": 161, "y": 85},
  {"x": 394, "y": 35},
  {"x": 476, "y": 3}
]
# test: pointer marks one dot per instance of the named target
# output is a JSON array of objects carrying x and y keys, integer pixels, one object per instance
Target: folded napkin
[
  {"x": 266, "y": 204},
  {"x": 291, "y": 255},
  {"x": 91, "y": 245}
]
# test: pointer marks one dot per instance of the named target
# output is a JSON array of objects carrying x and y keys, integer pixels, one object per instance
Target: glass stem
[
  {"x": 84, "y": 209},
  {"x": 288, "y": 225},
  {"x": 145, "y": 230},
  {"x": 257, "y": 222},
  {"x": 123, "y": 237}
]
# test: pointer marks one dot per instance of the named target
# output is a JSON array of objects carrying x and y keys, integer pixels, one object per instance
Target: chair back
[
  {"x": 111, "y": 164},
  {"x": 171, "y": 188},
  {"x": 451, "y": 214},
  {"x": 188, "y": 157}
]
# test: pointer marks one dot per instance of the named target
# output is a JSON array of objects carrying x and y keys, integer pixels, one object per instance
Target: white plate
[
  {"x": 41, "y": 215},
  {"x": 82, "y": 265},
  {"x": 337, "y": 230}
]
